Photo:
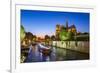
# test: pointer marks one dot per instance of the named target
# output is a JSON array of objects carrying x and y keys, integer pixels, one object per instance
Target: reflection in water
[
  {"x": 66, "y": 54},
  {"x": 57, "y": 54}
]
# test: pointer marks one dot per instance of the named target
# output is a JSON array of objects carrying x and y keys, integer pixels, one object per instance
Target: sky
[{"x": 41, "y": 23}]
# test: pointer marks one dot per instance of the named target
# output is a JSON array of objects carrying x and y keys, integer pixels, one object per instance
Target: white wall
[{"x": 82, "y": 46}]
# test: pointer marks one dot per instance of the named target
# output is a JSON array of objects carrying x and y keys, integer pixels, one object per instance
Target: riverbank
[{"x": 80, "y": 46}]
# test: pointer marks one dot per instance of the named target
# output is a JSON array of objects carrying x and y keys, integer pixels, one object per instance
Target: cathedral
[{"x": 71, "y": 28}]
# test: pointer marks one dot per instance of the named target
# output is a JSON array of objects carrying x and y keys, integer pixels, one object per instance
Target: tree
[
  {"x": 28, "y": 38},
  {"x": 29, "y": 35},
  {"x": 34, "y": 37},
  {"x": 47, "y": 39},
  {"x": 53, "y": 37},
  {"x": 70, "y": 36},
  {"x": 22, "y": 33},
  {"x": 64, "y": 35}
]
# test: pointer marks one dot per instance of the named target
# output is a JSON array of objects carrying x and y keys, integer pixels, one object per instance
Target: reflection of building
[{"x": 59, "y": 27}]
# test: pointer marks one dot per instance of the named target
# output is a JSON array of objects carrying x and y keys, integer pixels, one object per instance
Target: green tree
[
  {"x": 64, "y": 35},
  {"x": 70, "y": 36},
  {"x": 22, "y": 33}
]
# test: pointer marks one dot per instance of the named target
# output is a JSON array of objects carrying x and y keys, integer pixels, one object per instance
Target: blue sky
[{"x": 41, "y": 23}]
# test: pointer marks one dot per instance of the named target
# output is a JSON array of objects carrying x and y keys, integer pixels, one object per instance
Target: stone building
[{"x": 68, "y": 28}]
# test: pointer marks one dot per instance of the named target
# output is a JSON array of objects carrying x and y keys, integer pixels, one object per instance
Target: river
[{"x": 57, "y": 54}]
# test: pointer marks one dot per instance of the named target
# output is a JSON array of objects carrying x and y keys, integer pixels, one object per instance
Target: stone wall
[{"x": 81, "y": 46}]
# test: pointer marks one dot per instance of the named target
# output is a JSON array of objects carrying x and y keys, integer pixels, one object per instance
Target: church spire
[{"x": 66, "y": 25}]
